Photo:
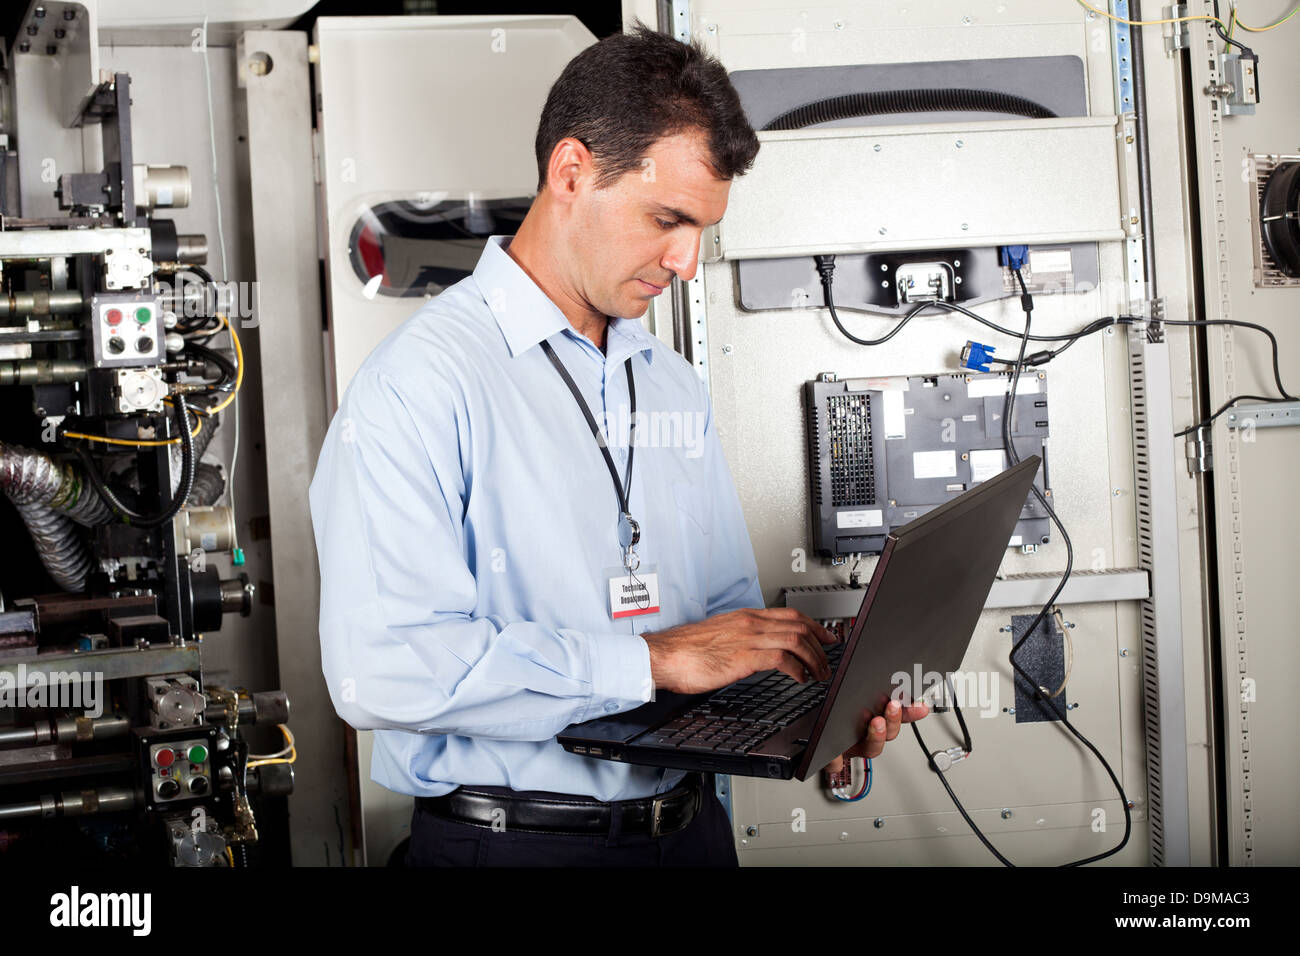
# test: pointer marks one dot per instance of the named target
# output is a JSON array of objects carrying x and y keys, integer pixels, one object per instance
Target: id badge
[{"x": 632, "y": 594}]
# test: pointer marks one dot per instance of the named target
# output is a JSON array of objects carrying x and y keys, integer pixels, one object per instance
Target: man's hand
[
  {"x": 880, "y": 728},
  {"x": 725, "y": 648}
]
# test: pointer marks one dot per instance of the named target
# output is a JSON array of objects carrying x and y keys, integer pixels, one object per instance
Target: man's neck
[{"x": 529, "y": 251}]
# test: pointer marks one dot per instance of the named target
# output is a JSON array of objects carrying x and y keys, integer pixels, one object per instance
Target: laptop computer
[{"x": 921, "y": 608}]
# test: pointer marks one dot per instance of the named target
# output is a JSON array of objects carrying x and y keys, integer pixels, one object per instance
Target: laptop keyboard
[{"x": 740, "y": 716}]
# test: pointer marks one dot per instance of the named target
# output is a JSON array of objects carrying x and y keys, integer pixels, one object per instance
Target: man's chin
[{"x": 635, "y": 308}]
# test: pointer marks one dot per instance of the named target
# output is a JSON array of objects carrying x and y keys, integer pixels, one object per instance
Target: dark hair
[{"x": 621, "y": 95}]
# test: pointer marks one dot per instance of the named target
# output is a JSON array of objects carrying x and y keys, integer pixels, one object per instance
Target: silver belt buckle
[{"x": 656, "y": 815}]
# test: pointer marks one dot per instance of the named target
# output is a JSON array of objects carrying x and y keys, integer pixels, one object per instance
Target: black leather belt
[{"x": 502, "y": 808}]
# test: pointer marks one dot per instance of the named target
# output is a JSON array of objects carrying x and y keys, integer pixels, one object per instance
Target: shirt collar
[{"x": 526, "y": 314}]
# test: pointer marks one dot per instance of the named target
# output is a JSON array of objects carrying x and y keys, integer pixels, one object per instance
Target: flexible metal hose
[{"x": 50, "y": 498}]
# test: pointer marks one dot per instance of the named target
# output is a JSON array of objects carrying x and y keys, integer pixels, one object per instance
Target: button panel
[
  {"x": 126, "y": 330},
  {"x": 182, "y": 769}
]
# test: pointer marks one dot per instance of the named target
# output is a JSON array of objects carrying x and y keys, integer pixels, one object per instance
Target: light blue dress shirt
[{"x": 466, "y": 528}]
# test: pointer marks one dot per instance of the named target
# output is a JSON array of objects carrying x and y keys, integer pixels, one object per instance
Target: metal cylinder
[
  {"x": 13, "y": 811},
  {"x": 192, "y": 248},
  {"x": 66, "y": 730},
  {"x": 273, "y": 780},
  {"x": 264, "y": 707},
  {"x": 210, "y": 528},
  {"x": 271, "y": 707},
  {"x": 58, "y": 302},
  {"x": 161, "y": 187},
  {"x": 41, "y": 372},
  {"x": 237, "y": 596},
  {"x": 80, "y": 803}
]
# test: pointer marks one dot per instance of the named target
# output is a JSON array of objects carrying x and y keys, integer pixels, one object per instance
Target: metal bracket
[
  {"x": 1272, "y": 415},
  {"x": 1199, "y": 452},
  {"x": 1240, "y": 85}
]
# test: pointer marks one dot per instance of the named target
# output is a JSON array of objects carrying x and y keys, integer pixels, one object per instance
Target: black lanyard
[{"x": 629, "y": 532}]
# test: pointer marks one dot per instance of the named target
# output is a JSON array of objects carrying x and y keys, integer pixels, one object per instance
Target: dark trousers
[{"x": 706, "y": 841}]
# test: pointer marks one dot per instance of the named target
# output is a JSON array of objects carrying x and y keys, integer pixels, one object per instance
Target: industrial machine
[
  {"x": 973, "y": 233},
  {"x": 119, "y": 356}
]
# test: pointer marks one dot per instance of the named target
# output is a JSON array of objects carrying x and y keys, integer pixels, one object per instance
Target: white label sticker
[
  {"x": 934, "y": 464},
  {"x": 208, "y": 541},
  {"x": 1014, "y": 542},
  {"x": 1050, "y": 260},
  {"x": 633, "y": 594},
  {"x": 998, "y": 385},
  {"x": 860, "y": 519},
  {"x": 892, "y": 414},
  {"x": 985, "y": 464}
]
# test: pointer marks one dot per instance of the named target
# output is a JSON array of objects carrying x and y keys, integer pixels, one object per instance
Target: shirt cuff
[{"x": 620, "y": 673}]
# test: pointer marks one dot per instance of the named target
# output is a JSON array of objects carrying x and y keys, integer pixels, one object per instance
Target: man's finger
[{"x": 875, "y": 739}]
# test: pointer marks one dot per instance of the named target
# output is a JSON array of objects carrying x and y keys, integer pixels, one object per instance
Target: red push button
[
  {"x": 114, "y": 316},
  {"x": 165, "y": 757}
]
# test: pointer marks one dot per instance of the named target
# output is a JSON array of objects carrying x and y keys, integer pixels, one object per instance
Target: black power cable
[
  {"x": 1027, "y": 304},
  {"x": 826, "y": 269},
  {"x": 182, "y": 491}
]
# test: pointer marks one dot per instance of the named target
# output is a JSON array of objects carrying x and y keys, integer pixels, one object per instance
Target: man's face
[{"x": 632, "y": 237}]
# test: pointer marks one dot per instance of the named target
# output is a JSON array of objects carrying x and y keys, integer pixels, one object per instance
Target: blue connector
[
  {"x": 977, "y": 356},
  {"x": 1013, "y": 257}
]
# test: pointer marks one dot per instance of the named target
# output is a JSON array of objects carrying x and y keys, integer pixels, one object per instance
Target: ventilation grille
[
  {"x": 1150, "y": 671},
  {"x": 848, "y": 437}
]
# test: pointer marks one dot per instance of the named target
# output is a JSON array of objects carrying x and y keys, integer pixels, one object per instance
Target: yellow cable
[
  {"x": 1294, "y": 11},
  {"x": 239, "y": 367},
  {"x": 293, "y": 751},
  {"x": 1147, "y": 23},
  {"x": 138, "y": 443},
  {"x": 143, "y": 443}
]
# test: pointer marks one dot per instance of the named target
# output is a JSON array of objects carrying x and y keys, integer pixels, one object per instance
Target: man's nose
[{"x": 683, "y": 255}]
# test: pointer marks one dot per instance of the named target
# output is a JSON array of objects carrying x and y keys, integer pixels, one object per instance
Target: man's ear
[{"x": 571, "y": 161}]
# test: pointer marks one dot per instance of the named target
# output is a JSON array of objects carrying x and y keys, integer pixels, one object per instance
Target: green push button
[
  {"x": 142, "y": 314},
  {"x": 197, "y": 754}
]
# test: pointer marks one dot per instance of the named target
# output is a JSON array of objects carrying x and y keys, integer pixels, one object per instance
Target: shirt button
[{"x": 611, "y": 707}]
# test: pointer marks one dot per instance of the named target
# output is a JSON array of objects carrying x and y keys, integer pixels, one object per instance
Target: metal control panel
[
  {"x": 180, "y": 769},
  {"x": 126, "y": 330}
]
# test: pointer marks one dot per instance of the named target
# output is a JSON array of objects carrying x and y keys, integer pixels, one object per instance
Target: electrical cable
[
  {"x": 826, "y": 270},
  {"x": 1147, "y": 23},
  {"x": 1014, "y": 458},
  {"x": 1227, "y": 37},
  {"x": 225, "y": 272},
  {"x": 1232, "y": 18},
  {"x": 182, "y": 491}
]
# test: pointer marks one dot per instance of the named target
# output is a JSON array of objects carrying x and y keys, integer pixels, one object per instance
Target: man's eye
[{"x": 665, "y": 225}]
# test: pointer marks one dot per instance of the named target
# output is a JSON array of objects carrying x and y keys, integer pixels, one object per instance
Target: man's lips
[{"x": 651, "y": 286}]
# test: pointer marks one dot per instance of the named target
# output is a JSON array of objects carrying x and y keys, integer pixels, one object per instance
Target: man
[{"x": 486, "y": 491}]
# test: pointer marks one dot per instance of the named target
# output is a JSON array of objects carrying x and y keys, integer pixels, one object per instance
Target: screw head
[
  {"x": 1011, "y": 710},
  {"x": 1006, "y": 813},
  {"x": 960, "y": 144},
  {"x": 965, "y": 225},
  {"x": 878, "y": 823},
  {"x": 751, "y": 831},
  {"x": 1123, "y": 652},
  {"x": 883, "y": 230},
  {"x": 876, "y": 147}
]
